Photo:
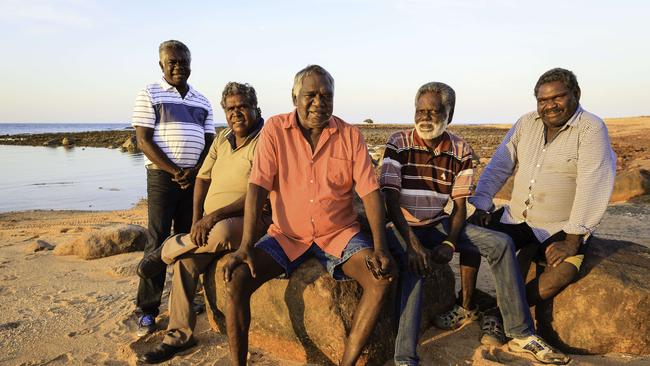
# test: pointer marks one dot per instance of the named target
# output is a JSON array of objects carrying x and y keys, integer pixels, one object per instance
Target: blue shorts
[{"x": 333, "y": 264}]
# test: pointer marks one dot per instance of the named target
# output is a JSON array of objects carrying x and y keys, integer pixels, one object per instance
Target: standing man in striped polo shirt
[
  {"x": 422, "y": 169},
  {"x": 174, "y": 128},
  {"x": 564, "y": 179}
]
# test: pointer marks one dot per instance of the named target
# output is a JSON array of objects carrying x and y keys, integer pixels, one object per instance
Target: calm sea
[
  {"x": 34, "y": 128},
  {"x": 69, "y": 179}
]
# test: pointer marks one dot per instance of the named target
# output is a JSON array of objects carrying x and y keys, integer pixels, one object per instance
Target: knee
[
  {"x": 502, "y": 245},
  {"x": 237, "y": 288}
]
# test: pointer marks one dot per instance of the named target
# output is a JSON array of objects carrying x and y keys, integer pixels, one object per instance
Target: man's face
[
  {"x": 240, "y": 115},
  {"x": 431, "y": 116},
  {"x": 556, "y": 103},
  {"x": 315, "y": 101},
  {"x": 175, "y": 65}
]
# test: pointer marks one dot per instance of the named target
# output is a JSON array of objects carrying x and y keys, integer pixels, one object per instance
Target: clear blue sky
[{"x": 85, "y": 60}]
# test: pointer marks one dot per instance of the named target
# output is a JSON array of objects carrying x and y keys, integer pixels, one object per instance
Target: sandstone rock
[
  {"x": 607, "y": 310},
  {"x": 307, "y": 317},
  {"x": 108, "y": 241},
  {"x": 130, "y": 144},
  {"x": 52, "y": 142},
  {"x": 630, "y": 184},
  {"x": 38, "y": 246}
]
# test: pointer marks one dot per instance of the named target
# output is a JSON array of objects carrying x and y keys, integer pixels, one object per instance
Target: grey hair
[
  {"x": 447, "y": 94},
  {"x": 565, "y": 76},
  {"x": 174, "y": 44},
  {"x": 302, "y": 74},
  {"x": 245, "y": 90}
]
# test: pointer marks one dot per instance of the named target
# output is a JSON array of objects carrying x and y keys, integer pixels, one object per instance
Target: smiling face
[
  {"x": 175, "y": 65},
  {"x": 315, "y": 101},
  {"x": 556, "y": 103},
  {"x": 240, "y": 114},
  {"x": 431, "y": 117}
]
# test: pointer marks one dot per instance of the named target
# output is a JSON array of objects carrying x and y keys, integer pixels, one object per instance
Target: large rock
[
  {"x": 307, "y": 317},
  {"x": 607, "y": 309},
  {"x": 105, "y": 242},
  {"x": 630, "y": 184},
  {"x": 130, "y": 144}
]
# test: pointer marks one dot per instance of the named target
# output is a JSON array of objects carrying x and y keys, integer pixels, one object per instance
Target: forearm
[
  {"x": 201, "y": 187},
  {"x": 396, "y": 216},
  {"x": 457, "y": 220},
  {"x": 234, "y": 209},
  {"x": 374, "y": 207},
  {"x": 153, "y": 152},
  {"x": 255, "y": 198}
]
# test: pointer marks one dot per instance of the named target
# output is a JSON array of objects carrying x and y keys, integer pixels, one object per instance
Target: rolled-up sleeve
[
  {"x": 365, "y": 180},
  {"x": 498, "y": 170},
  {"x": 594, "y": 183},
  {"x": 265, "y": 164},
  {"x": 391, "y": 166}
]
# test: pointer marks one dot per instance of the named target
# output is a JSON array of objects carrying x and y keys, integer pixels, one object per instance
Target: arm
[
  {"x": 189, "y": 175},
  {"x": 374, "y": 207},
  {"x": 144, "y": 136},
  {"x": 255, "y": 198},
  {"x": 594, "y": 184},
  {"x": 444, "y": 253}
]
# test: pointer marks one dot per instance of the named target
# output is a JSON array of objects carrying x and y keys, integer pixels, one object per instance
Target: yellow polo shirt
[{"x": 228, "y": 169}]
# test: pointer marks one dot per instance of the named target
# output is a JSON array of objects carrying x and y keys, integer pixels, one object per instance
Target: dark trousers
[{"x": 167, "y": 204}]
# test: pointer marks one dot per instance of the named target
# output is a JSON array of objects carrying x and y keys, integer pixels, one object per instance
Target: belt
[{"x": 153, "y": 166}]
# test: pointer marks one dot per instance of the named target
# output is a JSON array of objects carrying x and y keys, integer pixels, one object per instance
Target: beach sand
[{"x": 60, "y": 310}]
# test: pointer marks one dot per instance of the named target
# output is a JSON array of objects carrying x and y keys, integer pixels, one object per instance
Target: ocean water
[
  {"x": 35, "y": 128},
  {"x": 69, "y": 179}
]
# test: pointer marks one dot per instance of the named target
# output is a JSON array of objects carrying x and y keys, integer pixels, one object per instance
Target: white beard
[{"x": 438, "y": 129}]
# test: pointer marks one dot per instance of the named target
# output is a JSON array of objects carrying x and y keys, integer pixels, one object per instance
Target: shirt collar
[
  {"x": 168, "y": 87},
  {"x": 443, "y": 146},
  {"x": 292, "y": 122},
  {"x": 231, "y": 136}
]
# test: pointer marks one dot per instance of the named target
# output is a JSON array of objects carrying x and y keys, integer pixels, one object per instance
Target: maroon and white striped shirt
[{"x": 426, "y": 178}]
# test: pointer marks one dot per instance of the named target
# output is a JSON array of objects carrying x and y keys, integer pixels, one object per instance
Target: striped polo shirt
[
  {"x": 179, "y": 124},
  {"x": 563, "y": 185},
  {"x": 426, "y": 178}
]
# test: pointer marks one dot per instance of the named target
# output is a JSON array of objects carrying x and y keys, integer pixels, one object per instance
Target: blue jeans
[
  {"x": 498, "y": 249},
  {"x": 333, "y": 264}
]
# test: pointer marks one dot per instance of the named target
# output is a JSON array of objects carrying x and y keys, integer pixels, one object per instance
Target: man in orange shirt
[{"x": 309, "y": 161}]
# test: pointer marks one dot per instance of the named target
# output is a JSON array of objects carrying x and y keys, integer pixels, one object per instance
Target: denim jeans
[
  {"x": 167, "y": 203},
  {"x": 499, "y": 251}
]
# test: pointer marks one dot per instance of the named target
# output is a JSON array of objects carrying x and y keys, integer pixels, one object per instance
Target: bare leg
[
  {"x": 370, "y": 305},
  {"x": 550, "y": 283},
  {"x": 238, "y": 311},
  {"x": 469, "y": 265}
]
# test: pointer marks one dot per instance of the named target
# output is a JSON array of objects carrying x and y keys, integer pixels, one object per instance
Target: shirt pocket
[
  {"x": 339, "y": 174},
  {"x": 563, "y": 165}
]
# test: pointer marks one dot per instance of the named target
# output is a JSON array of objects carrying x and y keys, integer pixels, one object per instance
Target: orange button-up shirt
[{"x": 311, "y": 193}]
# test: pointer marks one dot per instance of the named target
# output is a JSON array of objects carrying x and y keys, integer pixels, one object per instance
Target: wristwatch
[{"x": 180, "y": 171}]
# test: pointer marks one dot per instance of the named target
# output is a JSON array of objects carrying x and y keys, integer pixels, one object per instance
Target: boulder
[
  {"x": 67, "y": 141},
  {"x": 38, "y": 246},
  {"x": 630, "y": 184},
  {"x": 108, "y": 241},
  {"x": 130, "y": 144},
  {"x": 307, "y": 317},
  {"x": 607, "y": 310}
]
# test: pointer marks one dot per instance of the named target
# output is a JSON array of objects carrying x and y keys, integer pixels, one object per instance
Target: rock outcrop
[
  {"x": 307, "y": 317},
  {"x": 630, "y": 183},
  {"x": 105, "y": 242},
  {"x": 607, "y": 310},
  {"x": 130, "y": 144}
]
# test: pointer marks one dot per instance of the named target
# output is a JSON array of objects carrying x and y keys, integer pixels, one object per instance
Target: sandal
[
  {"x": 541, "y": 350},
  {"x": 455, "y": 317},
  {"x": 492, "y": 331}
]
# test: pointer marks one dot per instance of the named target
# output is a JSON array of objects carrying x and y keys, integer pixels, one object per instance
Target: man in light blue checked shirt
[{"x": 562, "y": 184}]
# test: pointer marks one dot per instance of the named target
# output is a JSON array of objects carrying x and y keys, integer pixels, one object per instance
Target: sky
[{"x": 85, "y": 60}]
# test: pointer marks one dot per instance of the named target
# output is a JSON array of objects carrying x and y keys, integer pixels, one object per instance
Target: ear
[
  {"x": 293, "y": 98},
  {"x": 450, "y": 117},
  {"x": 161, "y": 66},
  {"x": 577, "y": 94}
]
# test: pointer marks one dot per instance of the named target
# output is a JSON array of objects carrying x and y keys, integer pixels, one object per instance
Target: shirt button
[
  {"x": 311, "y": 181},
  {"x": 312, "y": 201},
  {"x": 311, "y": 162},
  {"x": 544, "y": 150},
  {"x": 532, "y": 180},
  {"x": 538, "y": 165},
  {"x": 530, "y": 194},
  {"x": 312, "y": 220}
]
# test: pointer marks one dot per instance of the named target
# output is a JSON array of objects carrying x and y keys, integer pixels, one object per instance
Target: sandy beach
[{"x": 61, "y": 310}]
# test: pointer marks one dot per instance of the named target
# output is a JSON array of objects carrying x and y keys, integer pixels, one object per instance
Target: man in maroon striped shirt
[{"x": 422, "y": 169}]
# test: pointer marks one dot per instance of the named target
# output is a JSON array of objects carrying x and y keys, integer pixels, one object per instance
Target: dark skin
[
  {"x": 242, "y": 117},
  {"x": 248, "y": 268},
  {"x": 556, "y": 104},
  {"x": 175, "y": 65}
]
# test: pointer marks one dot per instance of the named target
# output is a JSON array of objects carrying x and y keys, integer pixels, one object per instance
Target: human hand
[
  {"x": 239, "y": 257},
  {"x": 419, "y": 257},
  {"x": 185, "y": 177},
  {"x": 480, "y": 218},
  {"x": 380, "y": 263},
  {"x": 558, "y": 251},
  {"x": 201, "y": 230}
]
